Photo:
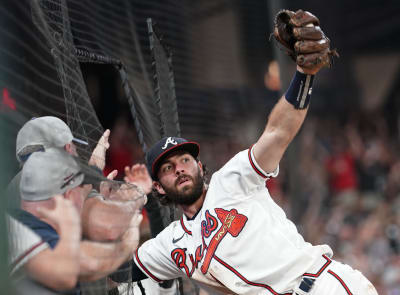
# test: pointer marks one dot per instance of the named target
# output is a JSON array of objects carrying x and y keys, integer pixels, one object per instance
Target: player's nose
[{"x": 179, "y": 170}]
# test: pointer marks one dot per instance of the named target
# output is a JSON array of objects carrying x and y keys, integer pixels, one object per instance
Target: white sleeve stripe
[
  {"x": 258, "y": 169},
  {"x": 305, "y": 91},
  {"x": 32, "y": 251}
]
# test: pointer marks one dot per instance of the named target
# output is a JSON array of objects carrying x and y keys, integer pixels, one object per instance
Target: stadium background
[{"x": 340, "y": 179}]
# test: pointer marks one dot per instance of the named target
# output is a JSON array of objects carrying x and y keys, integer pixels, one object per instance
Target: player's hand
[
  {"x": 303, "y": 40},
  {"x": 308, "y": 71},
  {"x": 64, "y": 217},
  {"x": 98, "y": 157},
  {"x": 138, "y": 175}
]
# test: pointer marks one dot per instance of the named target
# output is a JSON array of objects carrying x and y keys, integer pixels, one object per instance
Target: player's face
[{"x": 181, "y": 178}]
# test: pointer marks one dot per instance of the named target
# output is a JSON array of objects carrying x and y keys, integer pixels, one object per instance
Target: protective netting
[
  {"x": 56, "y": 38},
  {"x": 164, "y": 71},
  {"x": 92, "y": 62},
  {"x": 164, "y": 83}
]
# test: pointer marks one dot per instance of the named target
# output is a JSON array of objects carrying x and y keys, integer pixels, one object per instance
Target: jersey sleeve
[
  {"x": 23, "y": 244},
  {"x": 47, "y": 233},
  {"x": 242, "y": 174},
  {"x": 154, "y": 257}
]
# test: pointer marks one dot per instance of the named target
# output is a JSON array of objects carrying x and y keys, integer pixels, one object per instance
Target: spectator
[
  {"x": 342, "y": 173},
  {"x": 44, "y": 176},
  {"x": 21, "y": 250},
  {"x": 102, "y": 219},
  {"x": 39, "y": 134}
]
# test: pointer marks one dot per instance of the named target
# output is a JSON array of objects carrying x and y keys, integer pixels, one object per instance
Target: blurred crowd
[
  {"x": 350, "y": 185},
  {"x": 61, "y": 209}
]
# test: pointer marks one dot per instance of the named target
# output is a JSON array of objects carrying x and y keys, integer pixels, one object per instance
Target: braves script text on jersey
[{"x": 240, "y": 239}]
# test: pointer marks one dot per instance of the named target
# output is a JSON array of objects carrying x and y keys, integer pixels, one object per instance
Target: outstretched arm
[
  {"x": 300, "y": 33},
  {"x": 283, "y": 124},
  {"x": 105, "y": 220},
  {"x": 97, "y": 260}
]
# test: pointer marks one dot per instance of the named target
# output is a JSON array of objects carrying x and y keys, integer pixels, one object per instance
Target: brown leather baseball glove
[{"x": 303, "y": 39}]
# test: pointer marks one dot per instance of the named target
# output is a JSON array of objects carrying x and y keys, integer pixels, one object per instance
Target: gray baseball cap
[
  {"x": 51, "y": 172},
  {"x": 41, "y": 133}
]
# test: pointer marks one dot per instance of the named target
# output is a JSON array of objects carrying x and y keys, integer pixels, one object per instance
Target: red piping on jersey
[
  {"x": 146, "y": 270},
  {"x": 184, "y": 227},
  {"x": 317, "y": 274},
  {"x": 341, "y": 282},
  {"x": 218, "y": 281},
  {"x": 246, "y": 280},
  {"x": 26, "y": 253},
  {"x": 254, "y": 166}
]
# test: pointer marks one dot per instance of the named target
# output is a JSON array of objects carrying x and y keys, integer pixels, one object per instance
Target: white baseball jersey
[
  {"x": 23, "y": 243},
  {"x": 240, "y": 240}
]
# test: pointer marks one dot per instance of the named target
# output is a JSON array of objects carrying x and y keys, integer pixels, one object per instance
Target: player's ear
[
  {"x": 200, "y": 164},
  {"x": 158, "y": 187}
]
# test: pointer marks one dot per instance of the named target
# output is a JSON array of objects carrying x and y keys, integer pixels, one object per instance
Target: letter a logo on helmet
[
  {"x": 162, "y": 148},
  {"x": 169, "y": 140}
]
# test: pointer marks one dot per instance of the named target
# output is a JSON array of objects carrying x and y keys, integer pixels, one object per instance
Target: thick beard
[{"x": 189, "y": 195}]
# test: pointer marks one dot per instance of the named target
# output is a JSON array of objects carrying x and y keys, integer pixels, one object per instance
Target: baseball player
[{"x": 232, "y": 237}]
